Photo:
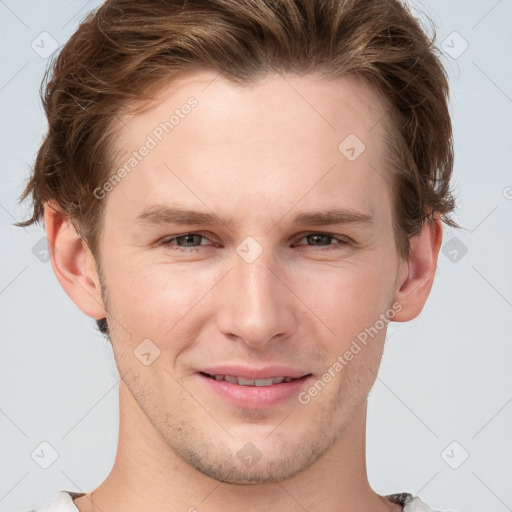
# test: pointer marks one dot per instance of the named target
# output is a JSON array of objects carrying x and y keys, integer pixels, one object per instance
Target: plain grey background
[{"x": 440, "y": 413}]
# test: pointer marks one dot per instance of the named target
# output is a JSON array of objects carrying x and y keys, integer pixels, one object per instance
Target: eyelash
[{"x": 342, "y": 242}]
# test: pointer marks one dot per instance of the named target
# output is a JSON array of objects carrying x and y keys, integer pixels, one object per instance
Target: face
[{"x": 256, "y": 282}]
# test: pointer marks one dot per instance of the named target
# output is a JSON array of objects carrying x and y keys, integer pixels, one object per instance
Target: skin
[{"x": 238, "y": 154}]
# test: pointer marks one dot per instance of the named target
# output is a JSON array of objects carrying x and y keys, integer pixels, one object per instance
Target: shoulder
[
  {"x": 61, "y": 502},
  {"x": 411, "y": 503}
]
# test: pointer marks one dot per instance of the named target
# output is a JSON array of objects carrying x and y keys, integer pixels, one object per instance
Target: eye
[
  {"x": 324, "y": 239},
  {"x": 190, "y": 242},
  {"x": 184, "y": 243}
]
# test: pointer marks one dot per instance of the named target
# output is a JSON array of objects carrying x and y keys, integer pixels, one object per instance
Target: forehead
[{"x": 283, "y": 140}]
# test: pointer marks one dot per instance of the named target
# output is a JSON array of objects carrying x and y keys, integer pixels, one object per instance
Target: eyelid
[
  {"x": 168, "y": 239},
  {"x": 339, "y": 237}
]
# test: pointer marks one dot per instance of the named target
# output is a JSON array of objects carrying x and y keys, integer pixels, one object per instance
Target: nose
[{"x": 255, "y": 305}]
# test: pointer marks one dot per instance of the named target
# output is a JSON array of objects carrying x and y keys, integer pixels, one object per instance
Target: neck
[{"x": 147, "y": 474}]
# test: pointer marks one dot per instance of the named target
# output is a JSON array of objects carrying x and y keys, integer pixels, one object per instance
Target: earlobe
[
  {"x": 413, "y": 288},
  {"x": 71, "y": 261}
]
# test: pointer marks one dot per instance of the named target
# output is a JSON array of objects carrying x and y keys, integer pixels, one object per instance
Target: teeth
[{"x": 241, "y": 381}]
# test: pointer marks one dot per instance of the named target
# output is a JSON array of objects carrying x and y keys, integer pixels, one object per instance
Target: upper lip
[{"x": 247, "y": 372}]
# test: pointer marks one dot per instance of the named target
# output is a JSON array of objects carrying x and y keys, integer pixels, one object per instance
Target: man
[{"x": 238, "y": 190}]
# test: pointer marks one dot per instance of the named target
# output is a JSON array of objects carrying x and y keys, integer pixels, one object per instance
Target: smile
[{"x": 242, "y": 381}]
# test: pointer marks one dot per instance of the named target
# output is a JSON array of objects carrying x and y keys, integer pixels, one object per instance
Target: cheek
[
  {"x": 161, "y": 301},
  {"x": 158, "y": 299},
  {"x": 347, "y": 298}
]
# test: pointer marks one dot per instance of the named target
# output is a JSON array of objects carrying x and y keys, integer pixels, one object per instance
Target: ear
[
  {"x": 418, "y": 272},
  {"x": 73, "y": 262}
]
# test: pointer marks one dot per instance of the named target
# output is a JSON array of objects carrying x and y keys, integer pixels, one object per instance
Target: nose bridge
[
  {"x": 257, "y": 283},
  {"x": 256, "y": 306}
]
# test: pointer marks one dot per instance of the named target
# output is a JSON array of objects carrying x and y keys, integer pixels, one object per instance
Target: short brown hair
[{"x": 126, "y": 49}]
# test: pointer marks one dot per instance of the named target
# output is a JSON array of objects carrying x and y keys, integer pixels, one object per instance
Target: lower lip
[{"x": 255, "y": 397}]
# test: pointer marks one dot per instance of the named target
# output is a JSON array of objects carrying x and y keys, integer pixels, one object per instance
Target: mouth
[
  {"x": 242, "y": 381},
  {"x": 248, "y": 393}
]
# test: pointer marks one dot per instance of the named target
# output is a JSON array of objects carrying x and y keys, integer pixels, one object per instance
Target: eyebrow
[{"x": 163, "y": 215}]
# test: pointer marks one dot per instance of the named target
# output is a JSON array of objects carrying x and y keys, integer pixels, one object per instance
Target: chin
[{"x": 248, "y": 465}]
